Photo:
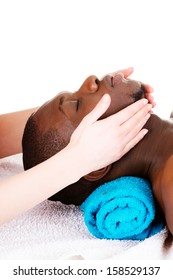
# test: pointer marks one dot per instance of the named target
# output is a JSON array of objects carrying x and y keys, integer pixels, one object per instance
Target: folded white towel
[{"x": 52, "y": 230}]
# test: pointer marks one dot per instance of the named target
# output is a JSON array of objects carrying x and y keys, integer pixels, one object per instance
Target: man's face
[{"x": 66, "y": 110}]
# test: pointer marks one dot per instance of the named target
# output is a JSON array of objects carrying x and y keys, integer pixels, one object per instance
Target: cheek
[
  {"x": 65, "y": 130},
  {"x": 87, "y": 106},
  {"x": 88, "y": 103},
  {"x": 118, "y": 102},
  {"x": 78, "y": 117}
]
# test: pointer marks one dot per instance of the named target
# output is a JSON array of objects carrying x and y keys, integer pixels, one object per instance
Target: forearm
[
  {"x": 25, "y": 190},
  {"x": 11, "y": 131}
]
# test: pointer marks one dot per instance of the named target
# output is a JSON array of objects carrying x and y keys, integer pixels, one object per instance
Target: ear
[{"x": 98, "y": 174}]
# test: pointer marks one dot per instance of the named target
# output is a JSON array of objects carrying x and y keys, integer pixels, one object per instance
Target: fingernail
[
  {"x": 145, "y": 131},
  {"x": 149, "y": 106},
  {"x": 148, "y": 116},
  {"x": 144, "y": 101},
  {"x": 106, "y": 98}
]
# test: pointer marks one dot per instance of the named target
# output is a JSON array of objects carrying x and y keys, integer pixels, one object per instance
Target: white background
[{"x": 47, "y": 46}]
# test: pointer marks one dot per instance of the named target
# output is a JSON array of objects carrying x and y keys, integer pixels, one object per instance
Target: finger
[
  {"x": 135, "y": 140},
  {"x": 98, "y": 111},
  {"x": 148, "y": 88},
  {"x": 148, "y": 94},
  {"x": 129, "y": 111},
  {"x": 150, "y": 99},
  {"x": 131, "y": 130},
  {"x": 129, "y": 133},
  {"x": 138, "y": 120},
  {"x": 127, "y": 72}
]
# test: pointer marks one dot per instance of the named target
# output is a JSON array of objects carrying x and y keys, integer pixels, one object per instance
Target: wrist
[{"x": 75, "y": 162}]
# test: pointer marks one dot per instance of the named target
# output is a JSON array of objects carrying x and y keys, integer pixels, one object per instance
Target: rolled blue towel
[{"x": 122, "y": 209}]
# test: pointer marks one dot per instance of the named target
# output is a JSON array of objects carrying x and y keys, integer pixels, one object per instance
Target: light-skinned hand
[{"x": 102, "y": 142}]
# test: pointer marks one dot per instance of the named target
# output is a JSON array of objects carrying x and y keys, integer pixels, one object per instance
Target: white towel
[{"x": 52, "y": 230}]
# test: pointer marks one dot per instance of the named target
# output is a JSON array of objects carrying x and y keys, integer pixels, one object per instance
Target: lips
[
  {"x": 137, "y": 89},
  {"x": 116, "y": 78}
]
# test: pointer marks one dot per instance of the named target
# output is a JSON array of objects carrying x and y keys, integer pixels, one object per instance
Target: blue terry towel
[{"x": 122, "y": 209}]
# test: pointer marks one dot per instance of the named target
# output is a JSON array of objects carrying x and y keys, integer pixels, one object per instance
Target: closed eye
[
  {"x": 112, "y": 82},
  {"x": 77, "y": 104}
]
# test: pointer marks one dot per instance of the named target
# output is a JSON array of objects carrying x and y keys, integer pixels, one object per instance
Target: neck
[{"x": 149, "y": 155}]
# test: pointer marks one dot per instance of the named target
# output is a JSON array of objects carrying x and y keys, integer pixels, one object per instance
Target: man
[
  {"x": 49, "y": 129},
  {"x": 151, "y": 158}
]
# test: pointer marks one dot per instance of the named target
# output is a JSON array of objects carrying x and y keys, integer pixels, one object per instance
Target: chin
[{"x": 139, "y": 94}]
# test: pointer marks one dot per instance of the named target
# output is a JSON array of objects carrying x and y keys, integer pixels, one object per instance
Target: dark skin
[{"x": 151, "y": 158}]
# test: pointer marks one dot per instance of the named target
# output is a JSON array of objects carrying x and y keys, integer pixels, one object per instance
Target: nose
[{"x": 90, "y": 84}]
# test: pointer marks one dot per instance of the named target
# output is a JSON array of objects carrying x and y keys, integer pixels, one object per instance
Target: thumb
[
  {"x": 99, "y": 109},
  {"x": 94, "y": 115},
  {"x": 127, "y": 72}
]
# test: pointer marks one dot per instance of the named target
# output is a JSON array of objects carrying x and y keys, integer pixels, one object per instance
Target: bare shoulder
[
  {"x": 166, "y": 183},
  {"x": 167, "y": 175},
  {"x": 167, "y": 192}
]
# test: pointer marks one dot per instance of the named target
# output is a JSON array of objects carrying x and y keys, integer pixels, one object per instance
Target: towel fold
[{"x": 122, "y": 209}]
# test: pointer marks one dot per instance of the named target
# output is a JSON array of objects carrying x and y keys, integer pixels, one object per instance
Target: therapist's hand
[
  {"x": 99, "y": 143},
  {"x": 149, "y": 90}
]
